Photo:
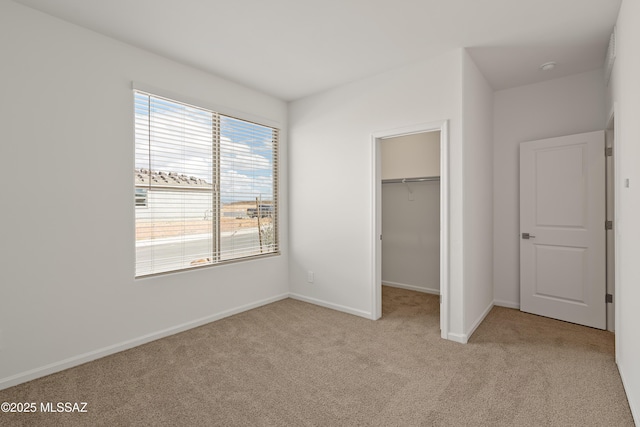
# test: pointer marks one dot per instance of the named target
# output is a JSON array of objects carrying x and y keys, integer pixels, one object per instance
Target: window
[
  {"x": 141, "y": 197},
  {"x": 208, "y": 182}
]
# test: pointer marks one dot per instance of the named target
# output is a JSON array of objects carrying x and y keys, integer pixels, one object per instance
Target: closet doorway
[{"x": 410, "y": 213}]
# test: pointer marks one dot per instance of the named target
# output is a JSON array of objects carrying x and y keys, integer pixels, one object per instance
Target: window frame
[{"x": 216, "y": 191}]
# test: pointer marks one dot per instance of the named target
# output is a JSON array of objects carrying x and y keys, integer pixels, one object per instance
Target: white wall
[
  {"x": 411, "y": 156},
  {"x": 67, "y": 245},
  {"x": 625, "y": 93},
  {"x": 564, "y": 106},
  {"x": 411, "y": 236},
  {"x": 330, "y": 162},
  {"x": 477, "y": 136}
]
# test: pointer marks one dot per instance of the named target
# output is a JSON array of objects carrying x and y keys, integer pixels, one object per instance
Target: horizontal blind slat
[{"x": 176, "y": 227}]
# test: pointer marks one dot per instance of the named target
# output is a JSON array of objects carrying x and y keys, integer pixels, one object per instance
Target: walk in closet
[{"x": 411, "y": 212}]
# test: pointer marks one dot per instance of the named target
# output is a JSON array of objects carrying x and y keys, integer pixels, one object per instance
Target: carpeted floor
[{"x": 296, "y": 364}]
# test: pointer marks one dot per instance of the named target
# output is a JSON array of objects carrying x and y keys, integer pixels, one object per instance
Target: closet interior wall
[{"x": 411, "y": 212}]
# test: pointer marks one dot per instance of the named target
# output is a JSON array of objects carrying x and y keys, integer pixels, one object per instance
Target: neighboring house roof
[{"x": 146, "y": 178}]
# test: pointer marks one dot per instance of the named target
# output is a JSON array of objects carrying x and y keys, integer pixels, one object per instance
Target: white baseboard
[
  {"x": 464, "y": 338},
  {"x": 112, "y": 349},
  {"x": 434, "y": 291},
  {"x": 633, "y": 405},
  {"x": 461, "y": 338},
  {"x": 332, "y": 306},
  {"x": 508, "y": 304},
  {"x": 479, "y": 320}
]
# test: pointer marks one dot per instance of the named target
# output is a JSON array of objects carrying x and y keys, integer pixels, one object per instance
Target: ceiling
[{"x": 294, "y": 48}]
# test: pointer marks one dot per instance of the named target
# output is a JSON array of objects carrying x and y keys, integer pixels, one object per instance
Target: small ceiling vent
[{"x": 610, "y": 58}]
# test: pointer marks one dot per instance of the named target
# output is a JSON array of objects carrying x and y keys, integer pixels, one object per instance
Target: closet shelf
[{"x": 406, "y": 180}]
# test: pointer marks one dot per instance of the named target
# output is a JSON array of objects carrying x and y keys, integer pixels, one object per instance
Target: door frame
[
  {"x": 609, "y": 139},
  {"x": 376, "y": 211},
  {"x": 614, "y": 126}
]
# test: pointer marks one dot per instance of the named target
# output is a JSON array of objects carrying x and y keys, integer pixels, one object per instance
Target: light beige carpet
[{"x": 295, "y": 364}]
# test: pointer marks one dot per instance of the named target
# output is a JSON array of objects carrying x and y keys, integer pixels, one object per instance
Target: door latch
[{"x": 527, "y": 236}]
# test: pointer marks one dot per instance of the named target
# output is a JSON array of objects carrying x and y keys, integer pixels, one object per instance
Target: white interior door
[{"x": 562, "y": 228}]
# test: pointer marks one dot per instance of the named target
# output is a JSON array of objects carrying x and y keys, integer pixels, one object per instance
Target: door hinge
[
  {"x": 608, "y": 225},
  {"x": 608, "y": 298},
  {"x": 608, "y": 151}
]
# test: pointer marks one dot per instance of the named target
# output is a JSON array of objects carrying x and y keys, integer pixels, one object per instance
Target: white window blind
[{"x": 210, "y": 183}]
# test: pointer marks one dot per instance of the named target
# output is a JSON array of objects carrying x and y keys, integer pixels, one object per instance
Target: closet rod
[{"x": 405, "y": 180}]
